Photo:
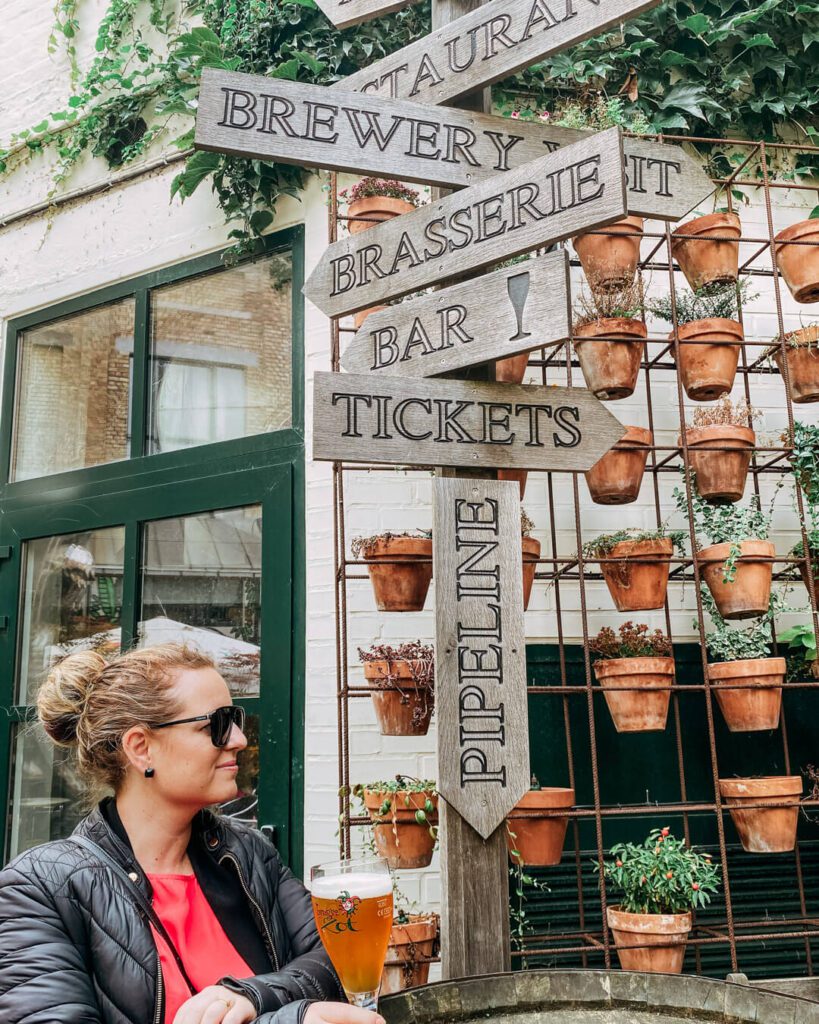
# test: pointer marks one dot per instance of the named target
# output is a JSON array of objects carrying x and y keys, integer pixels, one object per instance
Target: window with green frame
[{"x": 152, "y": 443}]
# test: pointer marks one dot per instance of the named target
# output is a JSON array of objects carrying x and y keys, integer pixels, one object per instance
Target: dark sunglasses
[{"x": 221, "y": 721}]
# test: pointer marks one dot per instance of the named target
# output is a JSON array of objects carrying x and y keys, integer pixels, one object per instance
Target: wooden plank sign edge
[{"x": 344, "y": 13}]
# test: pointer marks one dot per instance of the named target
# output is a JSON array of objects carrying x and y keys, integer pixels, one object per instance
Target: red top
[{"x": 202, "y": 945}]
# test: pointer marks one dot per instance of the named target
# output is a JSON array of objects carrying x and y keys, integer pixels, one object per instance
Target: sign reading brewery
[
  {"x": 494, "y": 41},
  {"x": 310, "y": 125},
  {"x": 509, "y": 312},
  {"x": 344, "y": 13},
  {"x": 427, "y": 422},
  {"x": 480, "y": 649},
  {"x": 549, "y": 199}
]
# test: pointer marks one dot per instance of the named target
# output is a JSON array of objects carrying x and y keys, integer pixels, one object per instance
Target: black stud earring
[{"x": 149, "y": 773}]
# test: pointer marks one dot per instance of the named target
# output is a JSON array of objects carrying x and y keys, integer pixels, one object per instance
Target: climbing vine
[{"x": 742, "y": 68}]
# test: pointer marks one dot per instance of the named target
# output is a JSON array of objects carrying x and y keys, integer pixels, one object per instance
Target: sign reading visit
[
  {"x": 312, "y": 126},
  {"x": 494, "y": 41},
  {"x": 428, "y": 422},
  {"x": 344, "y": 13},
  {"x": 480, "y": 649},
  {"x": 511, "y": 311},
  {"x": 549, "y": 199}
]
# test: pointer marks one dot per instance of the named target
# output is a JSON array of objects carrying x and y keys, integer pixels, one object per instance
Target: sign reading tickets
[
  {"x": 549, "y": 199},
  {"x": 494, "y": 41},
  {"x": 427, "y": 422},
  {"x": 509, "y": 312},
  {"x": 344, "y": 13},
  {"x": 313, "y": 126},
  {"x": 480, "y": 649}
]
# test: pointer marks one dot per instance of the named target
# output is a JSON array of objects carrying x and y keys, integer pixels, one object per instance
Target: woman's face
[{"x": 189, "y": 769}]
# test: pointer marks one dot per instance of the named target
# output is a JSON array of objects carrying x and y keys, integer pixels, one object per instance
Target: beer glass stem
[{"x": 366, "y": 1000}]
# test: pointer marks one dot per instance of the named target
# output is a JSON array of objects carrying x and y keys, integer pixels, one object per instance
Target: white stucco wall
[{"x": 136, "y": 228}]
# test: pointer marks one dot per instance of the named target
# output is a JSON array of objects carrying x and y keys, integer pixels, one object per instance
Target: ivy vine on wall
[{"x": 741, "y": 68}]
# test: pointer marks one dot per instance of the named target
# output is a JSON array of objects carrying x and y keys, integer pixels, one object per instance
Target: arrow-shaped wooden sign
[
  {"x": 428, "y": 422},
  {"x": 480, "y": 649},
  {"x": 493, "y": 42},
  {"x": 511, "y": 311},
  {"x": 549, "y": 199},
  {"x": 309, "y": 125},
  {"x": 344, "y": 13}
]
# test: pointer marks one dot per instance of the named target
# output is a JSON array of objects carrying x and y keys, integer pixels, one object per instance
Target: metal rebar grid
[{"x": 567, "y": 574}]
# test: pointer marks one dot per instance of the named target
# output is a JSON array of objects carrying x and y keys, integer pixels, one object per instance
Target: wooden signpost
[
  {"x": 313, "y": 126},
  {"x": 480, "y": 649},
  {"x": 477, "y": 424},
  {"x": 515, "y": 310},
  {"x": 558, "y": 195},
  {"x": 491, "y": 43},
  {"x": 344, "y": 13}
]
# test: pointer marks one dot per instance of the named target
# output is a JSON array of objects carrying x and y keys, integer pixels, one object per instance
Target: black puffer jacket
[{"x": 75, "y": 947}]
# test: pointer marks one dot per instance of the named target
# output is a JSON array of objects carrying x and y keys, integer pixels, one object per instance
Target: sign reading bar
[
  {"x": 493, "y": 42},
  {"x": 310, "y": 125},
  {"x": 427, "y": 422},
  {"x": 344, "y": 13},
  {"x": 511, "y": 311},
  {"x": 549, "y": 199},
  {"x": 480, "y": 649}
]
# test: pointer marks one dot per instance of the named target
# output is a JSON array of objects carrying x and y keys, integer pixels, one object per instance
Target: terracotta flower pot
[
  {"x": 519, "y": 475},
  {"x": 362, "y": 314},
  {"x": 401, "y": 706},
  {"x": 638, "y": 710},
  {"x": 720, "y": 475},
  {"x": 637, "y": 586},
  {"x": 374, "y": 210},
  {"x": 539, "y": 840},
  {"x": 750, "y": 592},
  {"x": 399, "y": 838},
  {"x": 764, "y": 829},
  {"x": 708, "y": 371},
  {"x": 799, "y": 264},
  {"x": 531, "y": 553},
  {"x": 616, "y": 478},
  {"x": 610, "y": 368},
  {"x": 609, "y": 257},
  {"x": 409, "y": 952},
  {"x": 511, "y": 370},
  {"x": 802, "y": 358},
  {"x": 755, "y": 708},
  {"x": 403, "y": 585},
  {"x": 662, "y": 936},
  {"x": 704, "y": 260}
]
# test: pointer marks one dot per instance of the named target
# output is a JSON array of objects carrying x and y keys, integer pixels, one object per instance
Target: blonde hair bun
[{"x": 63, "y": 695}]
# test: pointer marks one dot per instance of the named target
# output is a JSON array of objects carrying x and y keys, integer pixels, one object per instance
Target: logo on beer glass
[{"x": 340, "y": 919}]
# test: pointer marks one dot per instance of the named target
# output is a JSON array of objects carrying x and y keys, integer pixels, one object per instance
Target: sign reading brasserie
[
  {"x": 513, "y": 311},
  {"x": 480, "y": 649},
  {"x": 576, "y": 189},
  {"x": 344, "y": 13},
  {"x": 381, "y": 419},
  {"x": 312, "y": 126},
  {"x": 493, "y": 42}
]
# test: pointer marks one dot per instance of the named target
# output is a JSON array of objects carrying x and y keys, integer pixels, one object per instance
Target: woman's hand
[
  {"x": 218, "y": 1005},
  {"x": 340, "y": 1013}
]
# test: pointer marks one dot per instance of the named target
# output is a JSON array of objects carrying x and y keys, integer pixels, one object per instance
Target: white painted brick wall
[{"x": 135, "y": 228}]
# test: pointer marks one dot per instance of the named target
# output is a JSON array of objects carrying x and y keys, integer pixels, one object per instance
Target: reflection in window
[
  {"x": 221, "y": 351},
  {"x": 245, "y": 807},
  {"x": 72, "y": 600},
  {"x": 202, "y": 585},
  {"x": 71, "y": 407}
]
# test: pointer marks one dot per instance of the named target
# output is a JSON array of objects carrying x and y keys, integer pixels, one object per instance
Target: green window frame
[{"x": 266, "y": 468}]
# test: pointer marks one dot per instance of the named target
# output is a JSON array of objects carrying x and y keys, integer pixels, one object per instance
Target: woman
[{"x": 156, "y": 911}]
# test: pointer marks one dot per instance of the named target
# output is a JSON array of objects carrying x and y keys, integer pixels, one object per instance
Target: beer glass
[{"x": 352, "y": 905}]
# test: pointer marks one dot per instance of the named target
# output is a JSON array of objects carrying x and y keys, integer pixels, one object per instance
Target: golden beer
[{"x": 353, "y": 913}]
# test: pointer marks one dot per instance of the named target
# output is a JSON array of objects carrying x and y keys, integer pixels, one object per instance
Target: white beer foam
[{"x": 359, "y": 883}]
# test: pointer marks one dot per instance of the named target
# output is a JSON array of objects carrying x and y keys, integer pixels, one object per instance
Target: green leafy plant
[
  {"x": 602, "y": 546},
  {"x": 419, "y": 658},
  {"x": 804, "y": 458},
  {"x": 399, "y": 790},
  {"x": 662, "y": 875},
  {"x": 802, "y": 658},
  {"x": 593, "y": 305},
  {"x": 523, "y": 883},
  {"x": 368, "y": 188},
  {"x": 721, "y": 302},
  {"x": 631, "y": 641},
  {"x": 731, "y": 643}
]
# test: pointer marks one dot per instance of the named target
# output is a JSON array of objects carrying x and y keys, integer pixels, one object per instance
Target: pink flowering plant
[
  {"x": 366, "y": 188},
  {"x": 662, "y": 875}
]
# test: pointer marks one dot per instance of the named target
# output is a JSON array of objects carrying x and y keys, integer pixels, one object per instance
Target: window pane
[
  {"x": 73, "y": 392},
  {"x": 47, "y": 795},
  {"x": 202, "y": 584},
  {"x": 246, "y": 805},
  {"x": 221, "y": 355},
  {"x": 72, "y": 600}
]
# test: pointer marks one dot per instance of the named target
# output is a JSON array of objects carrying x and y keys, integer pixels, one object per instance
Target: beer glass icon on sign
[
  {"x": 518, "y": 288},
  {"x": 352, "y": 905}
]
